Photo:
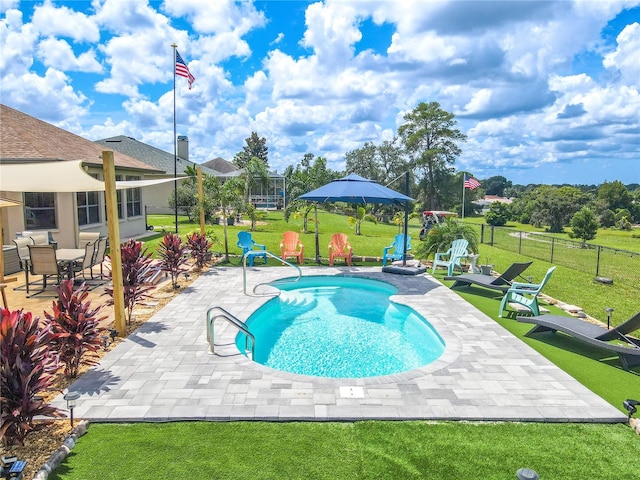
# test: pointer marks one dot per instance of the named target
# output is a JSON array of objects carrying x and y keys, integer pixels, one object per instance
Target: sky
[{"x": 546, "y": 91}]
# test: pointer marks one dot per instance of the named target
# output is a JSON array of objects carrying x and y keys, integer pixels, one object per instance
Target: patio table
[{"x": 68, "y": 256}]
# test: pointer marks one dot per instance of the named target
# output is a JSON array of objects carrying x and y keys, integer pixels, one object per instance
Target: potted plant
[{"x": 486, "y": 268}]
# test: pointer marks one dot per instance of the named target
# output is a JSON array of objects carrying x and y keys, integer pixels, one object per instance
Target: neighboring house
[
  {"x": 266, "y": 197},
  {"x": 489, "y": 199},
  {"x": 26, "y": 139},
  {"x": 157, "y": 197}
]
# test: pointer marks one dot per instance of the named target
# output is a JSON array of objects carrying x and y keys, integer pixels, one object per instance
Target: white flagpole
[
  {"x": 463, "y": 189},
  {"x": 175, "y": 151}
]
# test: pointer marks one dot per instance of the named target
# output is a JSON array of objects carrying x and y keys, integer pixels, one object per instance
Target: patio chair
[
  {"x": 87, "y": 260},
  {"x": 22, "y": 247},
  {"x": 398, "y": 249},
  {"x": 40, "y": 239},
  {"x": 525, "y": 294},
  {"x": 451, "y": 258},
  {"x": 247, "y": 243},
  {"x": 87, "y": 237},
  {"x": 501, "y": 283},
  {"x": 592, "y": 334},
  {"x": 98, "y": 255},
  {"x": 339, "y": 247},
  {"x": 290, "y": 246},
  {"x": 42, "y": 260}
]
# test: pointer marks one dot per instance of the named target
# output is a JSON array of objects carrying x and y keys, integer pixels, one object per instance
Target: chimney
[{"x": 183, "y": 147}]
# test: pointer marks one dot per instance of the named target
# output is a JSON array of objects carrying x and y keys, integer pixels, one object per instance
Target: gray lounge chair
[
  {"x": 592, "y": 334},
  {"x": 501, "y": 283}
]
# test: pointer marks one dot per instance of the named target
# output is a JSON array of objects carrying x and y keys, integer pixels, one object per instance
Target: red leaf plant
[
  {"x": 76, "y": 327},
  {"x": 199, "y": 246},
  {"x": 27, "y": 368},
  {"x": 173, "y": 256},
  {"x": 137, "y": 272}
]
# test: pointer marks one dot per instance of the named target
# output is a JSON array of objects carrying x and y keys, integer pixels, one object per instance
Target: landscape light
[
  {"x": 527, "y": 474},
  {"x": 71, "y": 399},
  {"x": 609, "y": 311}
]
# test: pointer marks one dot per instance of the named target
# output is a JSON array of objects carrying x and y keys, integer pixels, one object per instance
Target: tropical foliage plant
[
  {"x": 75, "y": 326},
  {"x": 137, "y": 272},
  {"x": 441, "y": 236},
  {"x": 199, "y": 245},
  {"x": 173, "y": 256},
  {"x": 27, "y": 367}
]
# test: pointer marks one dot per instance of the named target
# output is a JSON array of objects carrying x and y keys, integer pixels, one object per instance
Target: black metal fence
[{"x": 619, "y": 265}]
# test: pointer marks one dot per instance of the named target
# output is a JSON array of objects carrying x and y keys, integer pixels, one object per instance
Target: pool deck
[{"x": 165, "y": 372}]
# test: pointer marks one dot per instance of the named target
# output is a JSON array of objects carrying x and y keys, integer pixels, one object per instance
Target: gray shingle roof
[{"x": 150, "y": 155}]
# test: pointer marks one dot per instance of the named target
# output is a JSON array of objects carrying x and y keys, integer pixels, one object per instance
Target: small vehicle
[{"x": 433, "y": 217}]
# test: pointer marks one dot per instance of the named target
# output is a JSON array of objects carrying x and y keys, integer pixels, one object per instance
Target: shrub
[
  {"x": 173, "y": 256},
  {"x": 441, "y": 236},
  {"x": 137, "y": 271},
  {"x": 199, "y": 246},
  {"x": 75, "y": 326},
  {"x": 584, "y": 225},
  {"x": 27, "y": 368}
]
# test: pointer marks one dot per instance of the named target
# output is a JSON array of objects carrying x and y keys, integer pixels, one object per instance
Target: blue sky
[{"x": 546, "y": 91}]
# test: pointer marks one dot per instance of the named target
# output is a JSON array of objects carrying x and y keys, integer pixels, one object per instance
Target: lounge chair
[
  {"x": 290, "y": 246},
  {"x": 339, "y": 247},
  {"x": 501, "y": 283},
  {"x": 525, "y": 294},
  {"x": 398, "y": 249},
  {"x": 592, "y": 334},
  {"x": 247, "y": 243},
  {"x": 451, "y": 258}
]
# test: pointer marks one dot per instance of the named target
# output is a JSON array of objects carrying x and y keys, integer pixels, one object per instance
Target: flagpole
[
  {"x": 464, "y": 175},
  {"x": 175, "y": 148}
]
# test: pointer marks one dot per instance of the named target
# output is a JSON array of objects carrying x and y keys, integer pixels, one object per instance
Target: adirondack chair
[
  {"x": 339, "y": 247},
  {"x": 398, "y": 249},
  {"x": 248, "y": 244},
  {"x": 451, "y": 258},
  {"x": 290, "y": 246},
  {"x": 525, "y": 294}
]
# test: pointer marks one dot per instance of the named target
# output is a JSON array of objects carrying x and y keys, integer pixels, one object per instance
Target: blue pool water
[{"x": 341, "y": 327}]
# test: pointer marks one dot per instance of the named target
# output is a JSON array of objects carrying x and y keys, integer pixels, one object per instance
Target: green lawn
[
  {"x": 351, "y": 451},
  {"x": 390, "y": 450}
]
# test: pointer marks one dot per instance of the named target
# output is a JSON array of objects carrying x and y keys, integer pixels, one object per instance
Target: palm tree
[{"x": 441, "y": 236}]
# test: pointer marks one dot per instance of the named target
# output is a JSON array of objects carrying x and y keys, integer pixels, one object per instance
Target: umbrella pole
[
  {"x": 317, "y": 239},
  {"x": 406, "y": 220}
]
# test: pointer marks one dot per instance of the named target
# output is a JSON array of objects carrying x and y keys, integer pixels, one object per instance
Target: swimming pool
[{"x": 340, "y": 327}]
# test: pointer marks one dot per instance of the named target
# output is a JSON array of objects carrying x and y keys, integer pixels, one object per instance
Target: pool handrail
[
  {"x": 233, "y": 320},
  {"x": 244, "y": 272}
]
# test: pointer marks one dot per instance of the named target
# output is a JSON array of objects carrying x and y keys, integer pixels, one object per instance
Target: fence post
[
  {"x": 520, "y": 243},
  {"x": 482, "y": 233},
  {"x": 598, "y": 262},
  {"x": 492, "y": 231},
  {"x": 553, "y": 243}
]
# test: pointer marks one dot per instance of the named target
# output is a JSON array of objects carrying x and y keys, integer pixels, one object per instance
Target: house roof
[
  {"x": 150, "y": 155},
  {"x": 24, "y": 138},
  {"x": 221, "y": 165}
]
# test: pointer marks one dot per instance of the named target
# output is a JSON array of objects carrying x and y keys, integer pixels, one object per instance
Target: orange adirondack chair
[
  {"x": 290, "y": 246},
  {"x": 339, "y": 247}
]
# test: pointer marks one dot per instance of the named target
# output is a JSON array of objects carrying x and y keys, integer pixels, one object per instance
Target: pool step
[{"x": 297, "y": 299}]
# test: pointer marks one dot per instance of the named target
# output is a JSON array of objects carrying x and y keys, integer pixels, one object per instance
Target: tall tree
[
  {"x": 496, "y": 185},
  {"x": 254, "y": 174},
  {"x": 364, "y": 162},
  {"x": 554, "y": 206},
  {"x": 431, "y": 139},
  {"x": 255, "y": 147},
  {"x": 615, "y": 194}
]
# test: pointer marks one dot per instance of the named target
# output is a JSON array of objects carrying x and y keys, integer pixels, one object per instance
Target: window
[
  {"x": 88, "y": 207},
  {"x": 40, "y": 210},
  {"x": 134, "y": 200},
  {"x": 119, "y": 199}
]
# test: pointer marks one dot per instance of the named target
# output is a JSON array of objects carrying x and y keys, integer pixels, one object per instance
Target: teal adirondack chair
[
  {"x": 398, "y": 249},
  {"x": 248, "y": 244},
  {"x": 525, "y": 294},
  {"x": 451, "y": 258}
]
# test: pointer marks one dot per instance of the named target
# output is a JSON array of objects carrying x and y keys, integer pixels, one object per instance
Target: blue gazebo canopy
[{"x": 355, "y": 189}]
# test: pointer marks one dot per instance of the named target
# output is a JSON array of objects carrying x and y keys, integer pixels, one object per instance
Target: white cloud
[
  {"x": 626, "y": 57},
  {"x": 51, "y": 20},
  {"x": 59, "y": 54}
]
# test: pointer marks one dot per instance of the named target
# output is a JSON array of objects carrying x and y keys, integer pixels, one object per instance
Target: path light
[
  {"x": 527, "y": 474},
  {"x": 609, "y": 311},
  {"x": 71, "y": 399}
]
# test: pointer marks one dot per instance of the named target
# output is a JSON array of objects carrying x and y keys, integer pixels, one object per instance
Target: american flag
[
  {"x": 183, "y": 70},
  {"x": 470, "y": 182}
]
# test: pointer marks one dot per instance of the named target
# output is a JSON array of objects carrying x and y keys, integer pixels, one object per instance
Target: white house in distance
[
  {"x": 489, "y": 199},
  {"x": 63, "y": 214}
]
